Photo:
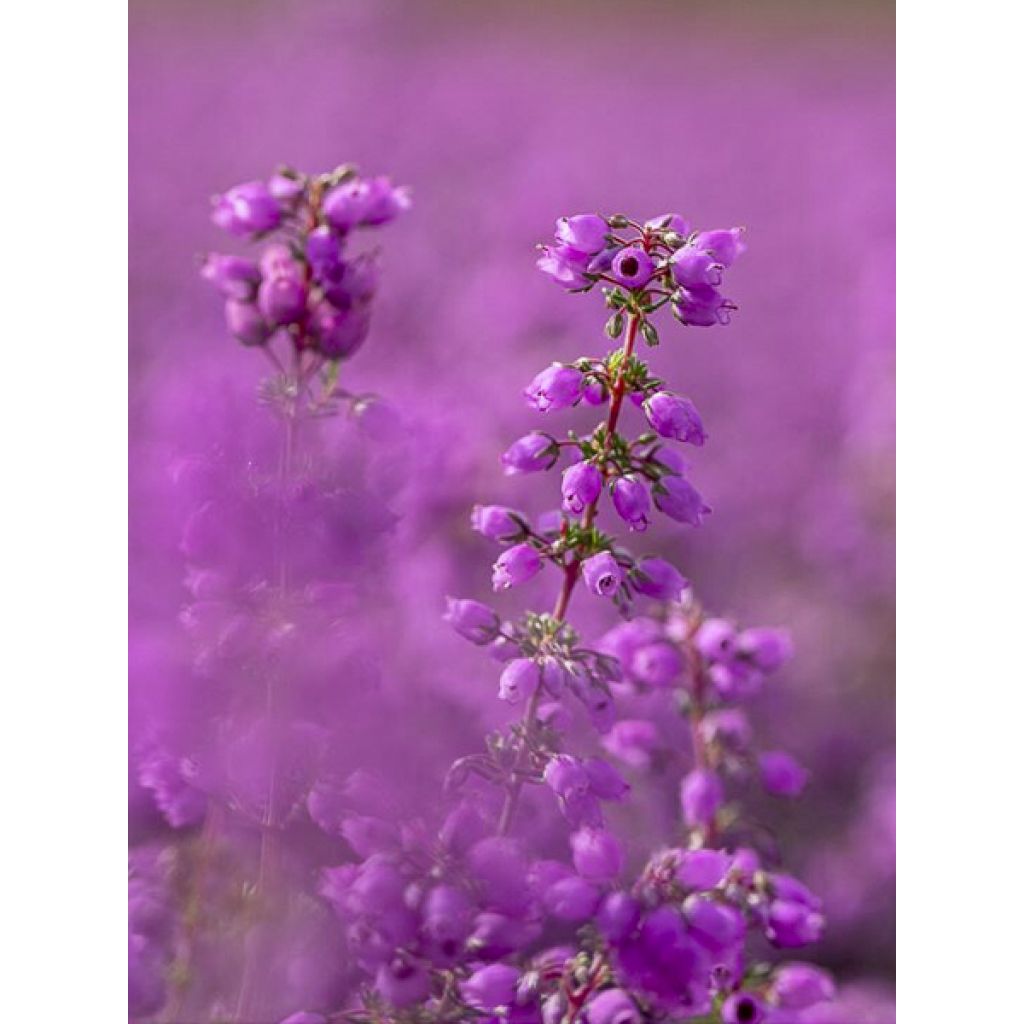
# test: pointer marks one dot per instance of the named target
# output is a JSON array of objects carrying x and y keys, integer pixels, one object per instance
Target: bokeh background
[{"x": 503, "y": 116}]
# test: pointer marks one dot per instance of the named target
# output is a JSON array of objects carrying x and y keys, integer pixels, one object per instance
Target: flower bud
[
  {"x": 657, "y": 664},
  {"x": 447, "y": 914},
  {"x": 557, "y": 387},
  {"x": 716, "y": 926},
  {"x": 797, "y": 986},
  {"x": 490, "y": 987},
  {"x": 532, "y": 453},
  {"x": 781, "y": 774},
  {"x": 552, "y": 675},
  {"x": 701, "y": 794},
  {"x": 702, "y": 869},
  {"x": 632, "y": 502},
  {"x": 632, "y": 267},
  {"x": 701, "y": 306},
  {"x": 654, "y": 577},
  {"x": 791, "y": 924},
  {"x": 597, "y": 854},
  {"x": 585, "y": 232},
  {"x": 716, "y": 639},
  {"x": 245, "y": 323},
  {"x": 675, "y": 417},
  {"x": 680, "y": 500},
  {"x": 768, "y": 649},
  {"x": 602, "y": 574},
  {"x": 339, "y": 334},
  {"x": 282, "y": 300},
  {"x": 613, "y": 1006},
  {"x": 670, "y": 222},
  {"x": 618, "y": 916},
  {"x": 581, "y": 486},
  {"x": 285, "y": 188},
  {"x": 514, "y": 566},
  {"x": 519, "y": 679},
  {"x": 496, "y": 522},
  {"x": 472, "y": 620},
  {"x": 632, "y": 740}
]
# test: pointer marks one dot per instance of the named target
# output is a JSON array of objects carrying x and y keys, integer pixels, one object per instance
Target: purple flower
[
  {"x": 532, "y": 453},
  {"x": 796, "y": 986},
  {"x": 247, "y": 209},
  {"x": 657, "y": 664},
  {"x": 602, "y": 574},
  {"x": 490, "y": 987},
  {"x": 768, "y": 649},
  {"x": 792, "y": 924},
  {"x": 680, "y": 500},
  {"x": 472, "y": 620},
  {"x": 631, "y": 501},
  {"x": 282, "y": 300},
  {"x": 585, "y": 232},
  {"x": 694, "y": 266},
  {"x": 514, "y": 566},
  {"x": 364, "y": 202},
  {"x": 339, "y": 334},
  {"x": 232, "y": 276},
  {"x": 716, "y": 926},
  {"x": 277, "y": 260},
  {"x": 565, "y": 775},
  {"x": 654, "y": 577},
  {"x": 618, "y": 916},
  {"x": 447, "y": 915},
  {"x": 632, "y": 740},
  {"x": 702, "y": 869},
  {"x": 496, "y": 522},
  {"x": 632, "y": 267},
  {"x": 700, "y": 794},
  {"x": 613, "y": 1006},
  {"x": 285, "y": 188},
  {"x": 675, "y": 417},
  {"x": 245, "y": 322},
  {"x": 742, "y": 1008},
  {"x": 723, "y": 244},
  {"x": 571, "y": 899},
  {"x": 782, "y": 774},
  {"x": 565, "y": 266},
  {"x": 727, "y": 726},
  {"x": 701, "y": 306},
  {"x": 716, "y": 639},
  {"x": 597, "y": 854},
  {"x": 557, "y": 387},
  {"x": 581, "y": 486},
  {"x": 605, "y": 780},
  {"x": 519, "y": 679}
]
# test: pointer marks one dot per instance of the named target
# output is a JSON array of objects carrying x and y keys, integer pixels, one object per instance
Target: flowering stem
[{"x": 571, "y": 574}]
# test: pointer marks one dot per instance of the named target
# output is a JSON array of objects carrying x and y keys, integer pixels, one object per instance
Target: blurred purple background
[{"x": 502, "y": 117}]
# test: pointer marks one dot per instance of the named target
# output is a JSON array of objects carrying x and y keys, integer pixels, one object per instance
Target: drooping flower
[
  {"x": 519, "y": 679},
  {"x": 658, "y": 579},
  {"x": 247, "y": 209},
  {"x": 472, "y": 620},
  {"x": 781, "y": 773},
  {"x": 701, "y": 794},
  {"x": 585, "y": 232},
  {"x": 581, "y": 486},
  {"x": 532, "y": 453},
  {"x": 675, "y": 417},
  {"x": 602, "y": 574},
  {"x": 632, "y": 502},
  {"x": 557, "y": 387},
  {"x": 515, "y": 565},
  {"x": 680, "y": 500}
]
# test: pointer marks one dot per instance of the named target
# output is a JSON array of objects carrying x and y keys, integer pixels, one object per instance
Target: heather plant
[
  {"x": 485, "y": 915},
  {"x": 275, "y": 525}
]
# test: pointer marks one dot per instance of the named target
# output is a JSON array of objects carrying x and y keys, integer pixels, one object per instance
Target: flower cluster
[
  {"x": 304, "y": 284},
  {"x": 472, "y": 924}
]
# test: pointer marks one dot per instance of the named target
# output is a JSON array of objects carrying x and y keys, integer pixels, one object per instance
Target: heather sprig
[{"x": 473, "y": 925}]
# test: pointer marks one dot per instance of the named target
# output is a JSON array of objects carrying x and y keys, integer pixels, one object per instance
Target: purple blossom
[
  {"x": 700, "y": 305},
  {"x": 658, "y": 579},
  {"x": 496, "y": 522},
  {"x": 702, "y": 869},
  {"x": 585, "y": 232},
  {"x": 768, "y": 649},
  {"x": 618, "y": 916},
  {"x": 632, "y": 502},
  {"x": 701, "y": 794},
  {"x": 566, "y": 776},
  {"x": 519, "y": 679},
  {"x": 581, "y": 486},
  {"x": 613, "y": 1006},
  {"x": 723, "y": 244},
  {"x": 532, "y": 453},
  {"x": 632, "y": 267},
  {"x": 514, "y": 566},
  {"x": 796, "y": 986},
  {"x": 247, "y": 209},
  {"x": 742, "y": 1008},
  {"x": 605, "y": 780},
  {"x": 680, "y": 500},
  {"x": 694, "y": 266},
  {"x": 781, "y": 773},
  {"x": 602, "y": 574},
  {"x": 657, "y": 664},
  {"x": 571, "y": 899},
  {"x": 233, "y": 276},
  {"x": 246, "y": 323},
  {"x": 675, "y": 417},
  {"x": 670, "y": 222},
  {"x": 364, "y": 202},
  {"x": 792, "y": 924},
  {"x": 597, "y": 854},
  {"x": 557, "y": 387},
  {"x": 565, "y": 266},
  {"x": 282, "y": 300},
  {"x": 490, "y": 987},
  {"x": 472, "y": 620},
  {"x": 338, "y": 334}
]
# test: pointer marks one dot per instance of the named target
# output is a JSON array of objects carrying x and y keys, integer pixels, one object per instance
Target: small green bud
[
  {"x": 674, "y": 239},
  {"x": 650, "y": 333},
  {"x": 618, "y": 221},
  {"x": 614, "y": 326}
]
